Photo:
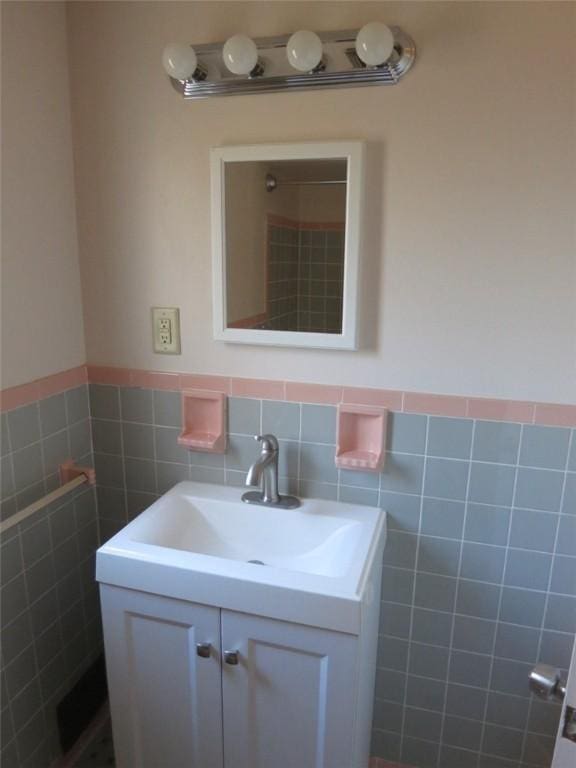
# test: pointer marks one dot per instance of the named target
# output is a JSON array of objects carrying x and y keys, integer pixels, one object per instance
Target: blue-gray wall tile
[
  {"x": 111, "y": 503},
  {"x": 167, "y": 408},
  {"x": 528, "y": 569},
  {"x": 364, "y": 496},
  {"x": 281, "y": 419},
  {"x": 397, "y": 584},
  {"x": 4, "y": 436},
  {"x": 418, "y": 723},
  {"x": 442, "y": 518},
  {"x": 107, "y": 436},
  {"x": 454, "y": 757},
  {"x": 474, "y": 635},
  {"x": 502, "y": 742},
  {"x": 486, "y": 524},
  {"x": 561, "y": 613},
  {"x": 567, "y": 536},
  {"x": 479, "y": 600},
  {"x": 392, "y": 653},
  {"x": 435, "y": 592},
  {"x": 402, "y": 474},
  {"x": 519, "y": 643},
  {"x": 104, "y": 401},
  {"x": 388, "y": 715},
  {"x": 140, "y": 475},
  {"x": 533, "y": 530},
  {"x": 469, "y": 669},
  {"x": 201, "y": 459},
  {"x": 538, "y": 750},
  {"x": 385, "y": 744},
  {"x": 77, "y": 404},
  {"x": 482, "y": 562},
  {"x": 319, "y": 424},
  {"x": 317, "y": 463},
  {"x": 52, "y": 414},
  {"x": 27, "y": 466},
  {"x": 313, "y": 490},
  {"x": 491, "y": 484},
  {"x": 24, "y": 426},
  {"x": 544, "y": 717},
  {"x": 419, "y": 752},
  {"x": 539, "y": 489},
  {"x": 359, "y": 479},
  {"x": 496, "y": 441},
  {"x": 522, "y": 606},
  {"x": 449, "y": 438},
  {"x": 168, "y": 475},
  {"x": 459, "y": 732},
  {"x": 390, "y": 685},
  {"x": 56, "y": 451},
  {"x": 242, "y": 452},
  {"x": 438, "y": 556},
  {"x": 545, "y": 447},
  {"x": 431, "y": 627},
  {"x": 425, "y": 693},
  {"x": 406, "y": 433},
  {"x": 138, "y": 440},
  {"x": 556, "y": 649},
  {"x": 400, "y": 549},
  {"x": 394, "y": 620},
  {"x": 465, "y": 701},
  {"x": 7, "y": 477},
  {"x": 564, "y": 575},
  {"x": 109, "y": 470},
  {"x": 569, "y": 501},
  {"x": 509, "y": 676},
  {"x": 403, "y": 510},
  {"x": 167, "y": 447},
  {"x": 243, "y": 416},
  {"x": 136, "y": 404},
  {"x": 80, "y": 438},
  {"x": 446, "y": 478},
  {"x": 428, "y": 661},
  {"x": 289, "y": 459},
  {"x": 507, "y": 711}
]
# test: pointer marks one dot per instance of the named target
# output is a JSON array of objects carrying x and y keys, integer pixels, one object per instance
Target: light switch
[{"x": 166, "y": 330}]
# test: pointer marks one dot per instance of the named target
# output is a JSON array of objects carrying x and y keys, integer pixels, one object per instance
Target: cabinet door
[
  {"x": 290, "y": 700},
  {"x": 165, "y": 699}
]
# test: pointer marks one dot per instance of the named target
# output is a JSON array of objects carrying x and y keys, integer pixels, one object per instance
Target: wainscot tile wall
[
  {"x": 480, "y": 565},
  {"x": 51, "y": 630}
]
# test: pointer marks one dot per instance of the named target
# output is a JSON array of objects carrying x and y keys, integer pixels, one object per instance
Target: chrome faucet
[{"x": 265, "y": 471}]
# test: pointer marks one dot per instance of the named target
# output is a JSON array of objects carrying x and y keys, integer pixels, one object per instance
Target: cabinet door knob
[
  {"x": 203, "y": 650},
  {"x": 231, "y": 657}
]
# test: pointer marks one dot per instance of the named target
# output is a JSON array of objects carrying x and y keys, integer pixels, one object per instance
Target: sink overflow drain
[{"x": 256, "y": 562}]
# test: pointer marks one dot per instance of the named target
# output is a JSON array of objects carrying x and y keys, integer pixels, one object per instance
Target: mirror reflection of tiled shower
[{"x": 305, "y": 276}]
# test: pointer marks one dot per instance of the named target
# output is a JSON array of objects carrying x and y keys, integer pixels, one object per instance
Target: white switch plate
[{"x": 166, "y": 330}]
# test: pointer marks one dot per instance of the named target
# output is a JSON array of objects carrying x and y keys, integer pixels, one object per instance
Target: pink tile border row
[
  {"x": 13, "y": 397},
  {"x": 550, "y": 414}
]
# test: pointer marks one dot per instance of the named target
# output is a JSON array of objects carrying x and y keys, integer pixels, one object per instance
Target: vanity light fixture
[{"x": 374, "y": 55}]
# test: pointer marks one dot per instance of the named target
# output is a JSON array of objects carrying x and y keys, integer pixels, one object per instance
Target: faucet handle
[{"x": 269, "y": 442}]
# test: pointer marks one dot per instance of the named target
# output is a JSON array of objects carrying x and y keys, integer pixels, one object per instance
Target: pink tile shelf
[
  {"x": 203, "y": 421},
  {"x": 70, "y": 471},
  {"x": 360, "y": 443}
]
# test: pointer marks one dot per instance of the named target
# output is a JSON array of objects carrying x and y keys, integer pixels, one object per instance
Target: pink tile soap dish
[
  {"x": 203, "y": 421},
  {"x": 361, "y": 439}
]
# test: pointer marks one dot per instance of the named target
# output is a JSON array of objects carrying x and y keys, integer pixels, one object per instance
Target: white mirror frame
[{"x": 353, "y": 152}]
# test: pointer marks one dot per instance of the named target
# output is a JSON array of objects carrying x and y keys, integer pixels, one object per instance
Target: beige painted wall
[
  {"x": 42, "y": 330},
  {"x": 468, "y": 260}
]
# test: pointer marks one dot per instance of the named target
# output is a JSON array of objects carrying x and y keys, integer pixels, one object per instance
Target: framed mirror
[{"x": 285, "y": 239}]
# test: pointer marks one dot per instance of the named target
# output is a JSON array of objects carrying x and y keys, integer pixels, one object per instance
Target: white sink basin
[{"x": 197, "y": 543}]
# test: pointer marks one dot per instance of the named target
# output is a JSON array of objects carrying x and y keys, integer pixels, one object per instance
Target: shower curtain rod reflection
[{"x": 272, "y": 182}]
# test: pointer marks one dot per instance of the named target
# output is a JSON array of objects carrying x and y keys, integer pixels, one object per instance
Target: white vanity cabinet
[{"x": 291, "y": 701}]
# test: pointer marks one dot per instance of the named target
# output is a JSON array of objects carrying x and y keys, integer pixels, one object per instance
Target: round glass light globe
[
  {"x": 179, "y": 60},
  {"x": 304, "y": 50},
  {"x": 374, "y": 43},
  {"x": 240, "y": 54}
]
